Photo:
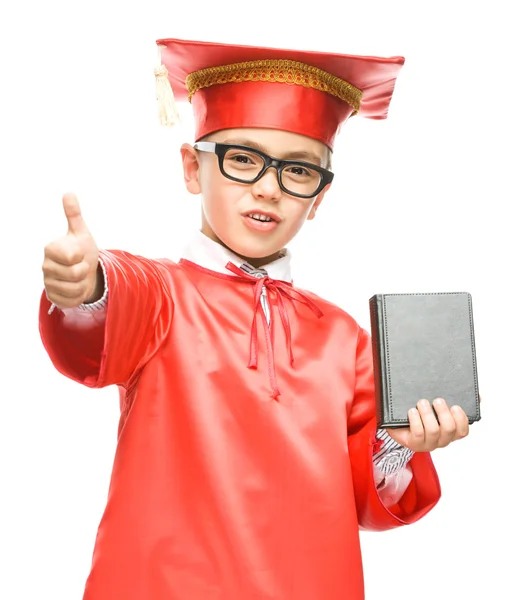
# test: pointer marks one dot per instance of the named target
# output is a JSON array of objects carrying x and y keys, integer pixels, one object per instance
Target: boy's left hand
[{"x": 425, "y": 434}]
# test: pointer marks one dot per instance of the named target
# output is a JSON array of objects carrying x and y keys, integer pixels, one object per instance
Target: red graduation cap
[{"x": 310, "y": 93}]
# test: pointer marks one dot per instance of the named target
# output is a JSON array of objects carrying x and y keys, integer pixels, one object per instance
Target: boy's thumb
[{"x": 75, "y": 221}]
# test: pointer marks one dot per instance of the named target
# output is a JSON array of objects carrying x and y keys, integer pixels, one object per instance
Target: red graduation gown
[{"x": 222, "y": 490}]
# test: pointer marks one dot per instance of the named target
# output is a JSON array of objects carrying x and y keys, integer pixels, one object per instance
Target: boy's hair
[{"x": 329, "y": 163}]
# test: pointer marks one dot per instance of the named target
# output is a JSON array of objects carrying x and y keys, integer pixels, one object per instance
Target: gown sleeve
[
  {"x": 423, "y": 491},
  {"x": 112, "y": 349}
]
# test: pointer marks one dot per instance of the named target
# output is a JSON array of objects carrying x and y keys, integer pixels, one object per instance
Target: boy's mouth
[
  {"x": 263, "y": 216},
  {"x": 259, "y": 217},
  {"x": 261, "y": 221}
]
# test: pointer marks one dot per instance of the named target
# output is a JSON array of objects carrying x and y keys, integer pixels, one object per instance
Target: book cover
[{"x": 423, "y": 347}]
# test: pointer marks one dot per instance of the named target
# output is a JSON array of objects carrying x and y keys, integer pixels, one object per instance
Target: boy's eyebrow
[{"x": 298, "y": 155}]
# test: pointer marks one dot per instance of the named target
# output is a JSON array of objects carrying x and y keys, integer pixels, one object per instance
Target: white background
[{"x": 424, "y": 201}]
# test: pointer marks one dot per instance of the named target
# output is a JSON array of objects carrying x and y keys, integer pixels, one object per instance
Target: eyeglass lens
[{"x": 246, "y": 166}]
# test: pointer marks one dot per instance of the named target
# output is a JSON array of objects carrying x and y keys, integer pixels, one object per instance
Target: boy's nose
[{"x": 267, "y": 186}]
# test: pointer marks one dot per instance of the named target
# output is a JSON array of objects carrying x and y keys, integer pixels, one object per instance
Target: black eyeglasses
[{"x": 247, "y": 165}]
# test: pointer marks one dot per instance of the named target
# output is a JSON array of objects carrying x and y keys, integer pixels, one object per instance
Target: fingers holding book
[{"x": 432, "y": 427}]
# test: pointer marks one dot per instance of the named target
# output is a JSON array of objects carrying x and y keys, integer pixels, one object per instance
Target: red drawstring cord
[{"x": 281, "y": 289}]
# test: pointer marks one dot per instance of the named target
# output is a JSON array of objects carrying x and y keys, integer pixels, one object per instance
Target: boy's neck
[
  {"x": 254, "y": 262},
  {"x": 260, "y": 262}
]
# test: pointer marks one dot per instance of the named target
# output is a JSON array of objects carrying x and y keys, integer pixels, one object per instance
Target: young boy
[{"x": 248, "y": 454}]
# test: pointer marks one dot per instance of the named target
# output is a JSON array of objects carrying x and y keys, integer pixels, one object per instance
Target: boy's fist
[{"x": 71, "y": 263}]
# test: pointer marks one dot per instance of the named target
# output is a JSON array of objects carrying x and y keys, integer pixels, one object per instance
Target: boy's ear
[
  {"x": 191, "y": 168},
  {"x": 318, "y": 200}
]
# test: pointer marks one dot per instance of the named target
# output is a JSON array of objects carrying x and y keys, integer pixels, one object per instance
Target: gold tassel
[{"x": 167, "y": 110}]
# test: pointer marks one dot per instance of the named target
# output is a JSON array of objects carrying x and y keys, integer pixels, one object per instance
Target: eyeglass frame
[{"x": 269, "y": 161}]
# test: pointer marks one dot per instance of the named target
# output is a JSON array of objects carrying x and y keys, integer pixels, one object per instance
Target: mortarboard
[{"x": 310, "y": 93}]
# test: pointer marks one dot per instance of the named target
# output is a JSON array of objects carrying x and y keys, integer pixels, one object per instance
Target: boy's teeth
[{"x": 260, "y": 217}]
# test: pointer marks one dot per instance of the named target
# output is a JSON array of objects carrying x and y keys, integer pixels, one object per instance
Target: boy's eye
[
  {"x": 299, "y": 171},
  {"x": 242, "y": 158}
]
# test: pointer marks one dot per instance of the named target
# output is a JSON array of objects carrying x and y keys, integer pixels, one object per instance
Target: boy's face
[{"x": 226, "y": 204}]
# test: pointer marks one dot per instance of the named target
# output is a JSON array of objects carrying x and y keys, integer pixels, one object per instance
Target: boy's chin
[{"x": 253, "y": 253}]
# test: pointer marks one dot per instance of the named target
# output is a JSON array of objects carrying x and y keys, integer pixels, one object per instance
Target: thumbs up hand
[{"x": 71, "y": 273}]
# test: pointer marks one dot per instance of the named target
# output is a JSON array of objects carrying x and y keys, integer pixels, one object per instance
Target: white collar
[{"x": 211, "y": 255}]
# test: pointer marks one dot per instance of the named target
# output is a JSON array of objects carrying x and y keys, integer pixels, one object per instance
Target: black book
[{"x": 423, "y": 347}]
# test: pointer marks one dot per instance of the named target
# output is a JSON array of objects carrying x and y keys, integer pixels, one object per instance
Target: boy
[{"x": 248, "y": 455}]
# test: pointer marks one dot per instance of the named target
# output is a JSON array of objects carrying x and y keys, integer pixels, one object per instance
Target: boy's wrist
[
  {"x": 100, "y": 285},
  {"x": 391, "y": 456}
]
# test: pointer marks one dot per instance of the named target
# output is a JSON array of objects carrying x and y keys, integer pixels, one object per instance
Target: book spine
[
  {"x": 376, "y": 304},
  {"x": 475, "y": 417}
]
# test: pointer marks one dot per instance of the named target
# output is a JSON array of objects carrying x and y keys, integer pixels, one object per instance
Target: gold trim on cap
[{"x": 275, "y": 71}]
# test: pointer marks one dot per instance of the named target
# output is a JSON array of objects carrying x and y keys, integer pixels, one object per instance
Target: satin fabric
[
  {"x": 282, "y": 106},
  {"x": 271, "y": 106},
  {"x": 219, "y": 490}
]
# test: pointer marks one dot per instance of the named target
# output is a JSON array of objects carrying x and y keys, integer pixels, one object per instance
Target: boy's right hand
[{"x": 71, "y": 273}]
